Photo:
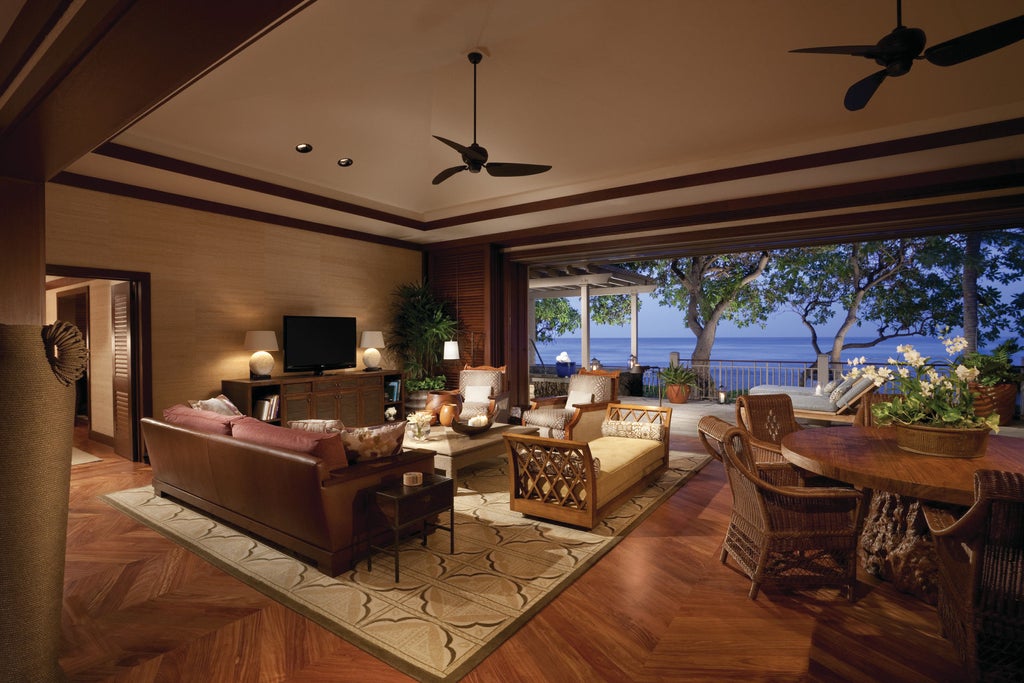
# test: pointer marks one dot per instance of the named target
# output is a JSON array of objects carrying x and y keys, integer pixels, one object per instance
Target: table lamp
[
  {"x": 370, "y": 340},
  {"x": 451, "y": 350},
  {"x": 261, "y": 342}
]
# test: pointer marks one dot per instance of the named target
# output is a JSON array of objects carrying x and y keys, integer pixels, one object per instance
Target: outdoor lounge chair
[{"x": 848, "y": 401}]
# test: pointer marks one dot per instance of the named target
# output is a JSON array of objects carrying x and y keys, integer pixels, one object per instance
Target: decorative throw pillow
[
  {"x": 477, "y": 394},
  {"x": 370, "y": 443},
  {"x": 205, "y": 421},
  {"x": 578, "y": 397},
  {"x": 633, "y": 430},
  {"x": 828, "y": 388},
  {"x": 327, "y": 447},
  {"x": 218, "y": 404},
  {"x": 317, "y": 425},
  {"x": 841, "y": 389}
]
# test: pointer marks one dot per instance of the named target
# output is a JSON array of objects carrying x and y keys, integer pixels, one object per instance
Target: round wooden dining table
[{"x": 869, "y": 458}]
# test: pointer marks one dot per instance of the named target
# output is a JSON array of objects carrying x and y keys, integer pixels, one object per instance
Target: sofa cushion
[
  {"x": 328, "y": 447},
  {"x": 761, "y": 389},
  {"x": 633, "y": 429},
  {"x": 218, "y": 404},
  {"x": 843, "y": 387},
  {"x": 205, "y": 421},
  {"x": 624, "y": 461},
  {"x": 370, "y": 443}
]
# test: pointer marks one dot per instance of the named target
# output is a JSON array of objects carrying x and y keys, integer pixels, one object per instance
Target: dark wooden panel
[{"x": 23, "y": 258}]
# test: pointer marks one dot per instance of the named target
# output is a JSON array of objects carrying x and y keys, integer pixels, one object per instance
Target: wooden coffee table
[{"x": 454, "y": 450}]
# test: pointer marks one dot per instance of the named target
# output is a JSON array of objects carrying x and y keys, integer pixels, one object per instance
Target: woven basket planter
[
  {"x": 1001, "y": 399},
  {"x": 942, "y": 441}
]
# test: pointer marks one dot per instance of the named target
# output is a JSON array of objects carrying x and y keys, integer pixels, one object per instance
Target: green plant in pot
[
  {"x": 679, "y": 381},
  {"x": 420, "y": 324},
  {"x": 995, "y": 387}
]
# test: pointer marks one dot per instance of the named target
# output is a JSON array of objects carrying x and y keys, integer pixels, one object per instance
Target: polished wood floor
[{"x": 659, "y": 607}]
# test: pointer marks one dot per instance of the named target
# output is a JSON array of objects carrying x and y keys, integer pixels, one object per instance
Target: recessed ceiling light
[
  {"x": 303, "y": 148},
  {"x": 344, "y": 162}
]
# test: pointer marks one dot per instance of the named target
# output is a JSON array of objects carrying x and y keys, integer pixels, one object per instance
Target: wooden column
[{"x": 23, "y": 259}]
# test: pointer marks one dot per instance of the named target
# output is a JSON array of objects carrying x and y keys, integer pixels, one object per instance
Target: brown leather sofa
[{"x": 283, "y": 496}]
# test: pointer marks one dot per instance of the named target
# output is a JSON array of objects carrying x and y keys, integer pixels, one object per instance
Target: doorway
[{"x": 122, "y": 300}]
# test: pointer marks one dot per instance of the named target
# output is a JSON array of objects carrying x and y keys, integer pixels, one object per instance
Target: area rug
[
  {"x": 448, "y": 612},
  {"x": 80, "y": 457}
]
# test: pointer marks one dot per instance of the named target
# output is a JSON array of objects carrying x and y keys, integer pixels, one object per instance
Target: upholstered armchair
[
  {"x": 981, "y": 576},
  {"x": 576, "y": 415},
  {"x": 484, "y": 391},
  {"x": 789, "y": 536}
]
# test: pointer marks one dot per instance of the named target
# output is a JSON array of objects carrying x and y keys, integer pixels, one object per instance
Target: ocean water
[{"x": 614, "y": 351}]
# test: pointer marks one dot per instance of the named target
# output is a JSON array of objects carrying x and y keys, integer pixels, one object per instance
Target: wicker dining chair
[
  {"x": 981, "y": 576},
  {"x": 711, "y": 431},
  {"x": 789, "y": 536}
]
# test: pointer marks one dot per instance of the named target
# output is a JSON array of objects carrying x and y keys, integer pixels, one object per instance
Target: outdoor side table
[{"x": 404, "y": 506}]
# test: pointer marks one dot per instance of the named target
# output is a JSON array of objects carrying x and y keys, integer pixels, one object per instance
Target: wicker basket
[{"x": 942, "y": 441}]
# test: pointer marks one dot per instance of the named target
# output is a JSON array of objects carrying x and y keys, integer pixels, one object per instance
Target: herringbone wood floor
[{"x": 658, "y": 607}]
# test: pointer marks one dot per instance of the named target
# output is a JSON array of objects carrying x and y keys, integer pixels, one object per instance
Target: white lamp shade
[
  {"x": 372, "y": 339},
  {"x": 451, "y": 350},
  {"x": 261, "y": 340}
]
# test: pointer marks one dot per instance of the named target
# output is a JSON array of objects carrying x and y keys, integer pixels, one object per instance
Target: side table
[{"x": 404, "y": 506}]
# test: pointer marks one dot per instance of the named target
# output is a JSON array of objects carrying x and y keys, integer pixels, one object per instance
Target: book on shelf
[
  {"x": 275, "y": 401},
  {"x": 392, "y": 390},
  {"x": 262, "y": 410}
]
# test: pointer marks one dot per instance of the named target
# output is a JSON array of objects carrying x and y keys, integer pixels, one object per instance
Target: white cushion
[
  {"x": 220, "y": 404},
  {"x": 477, "y": 394},
  {"x": 578, "y": 397}
]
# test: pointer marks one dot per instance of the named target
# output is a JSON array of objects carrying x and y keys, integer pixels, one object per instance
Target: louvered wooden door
[{"x": 120, "y": 308}]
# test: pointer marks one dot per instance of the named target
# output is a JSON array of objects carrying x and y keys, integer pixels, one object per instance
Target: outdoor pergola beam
[
  {"x": 600, "y": 291},
  {"x": 570, "y": 281}
]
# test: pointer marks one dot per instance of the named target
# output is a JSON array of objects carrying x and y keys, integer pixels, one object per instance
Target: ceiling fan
[
  {"x": 474, "y": 157},
  {"x": 897, "y": 51}
]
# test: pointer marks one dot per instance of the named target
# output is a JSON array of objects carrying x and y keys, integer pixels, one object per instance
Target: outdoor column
[
  {"x": 531, "y": 325},
  {"x": 634, "y": 326},
  {"x": 585, "y": 329}
]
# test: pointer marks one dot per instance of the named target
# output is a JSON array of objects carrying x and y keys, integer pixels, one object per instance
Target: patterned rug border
[{"x": 693, "y": 463}]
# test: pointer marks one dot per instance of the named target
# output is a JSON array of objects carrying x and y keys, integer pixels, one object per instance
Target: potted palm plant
[
  {"x": 679, "y": 381},
  {"x": 420, "y": 324}
]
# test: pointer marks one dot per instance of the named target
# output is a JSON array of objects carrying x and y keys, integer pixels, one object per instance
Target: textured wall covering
[{"x": 37, "y": 369}]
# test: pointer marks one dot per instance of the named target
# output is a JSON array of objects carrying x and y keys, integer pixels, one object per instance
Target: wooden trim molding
[{"x": 161, "y": 197}]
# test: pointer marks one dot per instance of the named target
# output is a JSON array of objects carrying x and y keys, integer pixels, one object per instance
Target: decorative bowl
[{"x": 463, "y": 427}]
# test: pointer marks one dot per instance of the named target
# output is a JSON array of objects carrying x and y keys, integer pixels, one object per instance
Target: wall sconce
[
  {"x": 370, "y": 340},
  {"x": 261, "y": 342},
  {"x": 451, "y": 350},
  {"x": 721, "y": 394}
]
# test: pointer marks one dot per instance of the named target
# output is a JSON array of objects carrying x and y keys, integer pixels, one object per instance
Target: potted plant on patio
[
  {"x": 420, "y": 324},
  {"x": 995, "y": 389},
  {"x": 934, "y": 412},
  {"x": 679, "y": 381}
]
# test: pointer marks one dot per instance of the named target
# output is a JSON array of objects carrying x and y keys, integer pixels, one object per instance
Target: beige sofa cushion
[{"x": 624, "y": 461}]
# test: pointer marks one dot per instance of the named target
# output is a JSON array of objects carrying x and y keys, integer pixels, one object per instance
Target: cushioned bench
[
  {"x": 579, "y": 482},
  {"x": 849, "y": 400}
]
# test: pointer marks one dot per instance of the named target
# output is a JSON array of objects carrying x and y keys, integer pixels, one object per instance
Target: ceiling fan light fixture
[{"x": 303, "y": 148}]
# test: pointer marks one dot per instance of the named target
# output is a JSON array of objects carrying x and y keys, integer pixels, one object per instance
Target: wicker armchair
[
  {"x": 484, "y": 392},
  {"x": 767, "y": 418},
  {"x": 711, "y": 430},
  {"x": 560, "y": 417},
  {"x": 786, "y": 535},
  {"x": 981, "y": 576}
]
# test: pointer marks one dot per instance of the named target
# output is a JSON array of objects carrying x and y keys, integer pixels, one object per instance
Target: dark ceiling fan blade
[
  {"x": 446, "y": 174},
  {"x": 976, "y": 43},
  {"x": 860, "y": 92},
  {"x": 855, "y": 50},
  {"x": 504, "y": 170},
  {"x": 464, "y": 151}
]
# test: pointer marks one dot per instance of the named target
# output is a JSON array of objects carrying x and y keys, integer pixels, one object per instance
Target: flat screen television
[{"x": 317, "y": 343}]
